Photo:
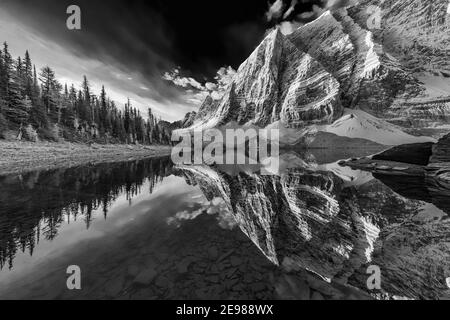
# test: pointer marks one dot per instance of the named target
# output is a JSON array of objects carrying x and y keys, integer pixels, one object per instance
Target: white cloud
[
  {"x": 224, "y": 77},
  {"x": 185, "y": 82},
  {"x": 211, "y": 86},
  {"x": 291, "y": 9},
  {"x": 287, "y": 27},
  {"x": 195, "y": 91},
  {"x": 275, "y": 10}
]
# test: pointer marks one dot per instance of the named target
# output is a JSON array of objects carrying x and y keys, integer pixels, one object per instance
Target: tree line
[{"x": 34, "y": 106}]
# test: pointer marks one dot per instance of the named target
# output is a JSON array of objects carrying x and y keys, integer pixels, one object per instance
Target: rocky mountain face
[
  {"x": 441, "y": 153},
  {"x": 277, "y": 82},
  {"x": 313, "y": 220},
  {"x": 398, "y": 72},
  {"x": 186, "y": 122},
  {"x": 416, "y": 35}
]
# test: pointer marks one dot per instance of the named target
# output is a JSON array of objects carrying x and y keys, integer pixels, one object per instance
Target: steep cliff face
[
  {"x": 277, "y": 82},
  {"x": 208, "y": 107},
  {"x": 372, "y": 65},
  {"x": 369, "y": 79},
  {"x": 313, "y": 220},
  {"x": 416, "y": 35},
  {"x": 399, "y": 72},
  {"x": 415, "y": 31},
  {"x": 326, "y": 40}
]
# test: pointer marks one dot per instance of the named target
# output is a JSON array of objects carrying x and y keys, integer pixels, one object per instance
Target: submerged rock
[{"x": 145, "y": 276}]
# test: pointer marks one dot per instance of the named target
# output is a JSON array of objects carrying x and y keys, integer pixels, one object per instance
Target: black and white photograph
[{"x": 225, "y": 155}]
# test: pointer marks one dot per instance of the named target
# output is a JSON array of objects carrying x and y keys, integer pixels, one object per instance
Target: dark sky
[{"x": 148, "y": 38}]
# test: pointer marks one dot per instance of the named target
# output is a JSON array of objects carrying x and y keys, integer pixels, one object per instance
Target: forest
[{"x": 34, "y": 106}]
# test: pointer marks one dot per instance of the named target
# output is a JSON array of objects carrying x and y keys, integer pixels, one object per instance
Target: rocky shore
[
  {"x": 430, "y": 160},
  {"x": 20, "y": 157}
]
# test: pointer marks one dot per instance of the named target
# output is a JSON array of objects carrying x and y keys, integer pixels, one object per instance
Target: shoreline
[{"x": 21, "y": 157}]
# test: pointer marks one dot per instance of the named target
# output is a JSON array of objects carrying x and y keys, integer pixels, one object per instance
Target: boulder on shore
[
  {"x": 416, "y": 153},
  {"x": 441, "y": 153}
]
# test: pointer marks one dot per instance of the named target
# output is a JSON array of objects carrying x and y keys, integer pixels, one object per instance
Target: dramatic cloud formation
[
  {"x": 275, "y": 10},
  {"x": 129, "y": 46},
  {"x": 108, "y": 54}
]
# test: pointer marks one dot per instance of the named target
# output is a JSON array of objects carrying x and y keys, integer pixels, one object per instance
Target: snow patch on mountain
[
  {"x": 436, "y": 86},
  {"x": 359, "y": 124},
  {"x": 372, "y": 61},
  {"x": 350, "y": 176},
  {"x": 288, "y": 136}
]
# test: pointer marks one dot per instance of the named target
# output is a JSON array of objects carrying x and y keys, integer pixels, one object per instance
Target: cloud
[
  {"x": 184, "y": 82},
  {"x": 287, "y": 27},
  {"x": 128, "y": 48},
  {"x": 197, "y": 92},
  {"x": 211, "y": 86},
  {"x": 306, "y": 15},
  {"x": 290, "y": 19},
  {"x": 332, "y": 4},
  {"x": 224, "y": 77},
  {"x": 275, "y": 10},
  {"x": 216, "y": 207},
  {"x": 317, "y": 11},
  {"x": 291, "y": 9},
  {"x": 108, "y": 54}
]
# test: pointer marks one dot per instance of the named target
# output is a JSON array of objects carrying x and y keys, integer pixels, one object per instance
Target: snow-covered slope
[
  {"x": 348, "y": 175},
  {"x": 359, "y": 124}
]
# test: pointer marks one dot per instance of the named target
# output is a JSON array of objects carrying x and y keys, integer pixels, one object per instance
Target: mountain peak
[{"x": 306, "y": 79}]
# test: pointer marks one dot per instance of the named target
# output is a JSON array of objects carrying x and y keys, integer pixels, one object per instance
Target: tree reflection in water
[{"x": 34, "y": 205}]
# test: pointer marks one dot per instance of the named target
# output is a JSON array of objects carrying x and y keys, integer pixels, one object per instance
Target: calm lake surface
[{"x": 149, "y": 230}]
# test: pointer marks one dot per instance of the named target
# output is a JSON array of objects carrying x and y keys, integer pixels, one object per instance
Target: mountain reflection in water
[{"x": 148, "y": 230}]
